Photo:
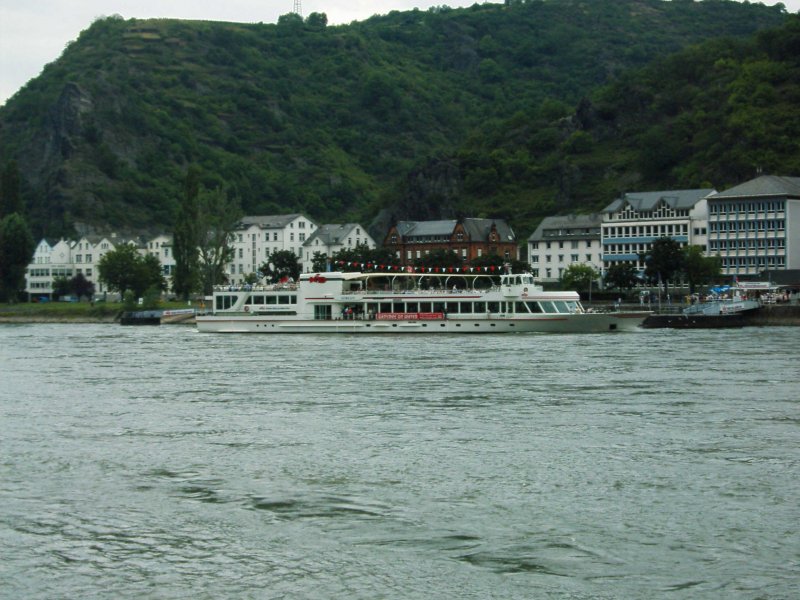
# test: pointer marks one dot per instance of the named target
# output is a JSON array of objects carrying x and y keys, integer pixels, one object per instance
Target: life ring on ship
[{"x": 246, "y": 309}]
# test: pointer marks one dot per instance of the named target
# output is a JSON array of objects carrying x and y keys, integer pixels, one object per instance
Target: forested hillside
[{"x": 494, "y": 110}]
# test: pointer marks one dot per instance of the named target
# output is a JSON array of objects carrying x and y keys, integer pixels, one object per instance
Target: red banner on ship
[{"x": 420, "y": 316}]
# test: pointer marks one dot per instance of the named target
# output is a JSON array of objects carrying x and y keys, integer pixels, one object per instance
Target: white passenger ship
[{"x": 406, "y": 302}]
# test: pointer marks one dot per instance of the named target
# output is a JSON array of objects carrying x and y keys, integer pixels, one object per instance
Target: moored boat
[{"x": 407, "y": 302}]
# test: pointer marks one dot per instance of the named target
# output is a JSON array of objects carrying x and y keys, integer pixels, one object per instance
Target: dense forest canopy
[{"x": 516, "y": 111}]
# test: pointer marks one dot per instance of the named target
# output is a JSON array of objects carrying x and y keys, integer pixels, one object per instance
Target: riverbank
[
  {"x": 770, "y": 315},
  {"x": 69, "y": 312}
]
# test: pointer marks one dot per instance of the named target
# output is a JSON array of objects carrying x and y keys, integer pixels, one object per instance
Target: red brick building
[{"x": 468, "y": 238}]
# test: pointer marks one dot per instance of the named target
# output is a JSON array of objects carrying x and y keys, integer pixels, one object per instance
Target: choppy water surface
[{"x": 159, "y": 462}]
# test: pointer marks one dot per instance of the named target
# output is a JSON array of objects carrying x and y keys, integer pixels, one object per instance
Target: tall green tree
[
  {"x": 699, "y": 268},
  {"x": 319, "y": 261},
  {"x": 124, "y": 269},
  {"x": 186, "y": 238},
  {"x": 281, "y": 264},
  {"x": 664, "y": 261},
  {"x": 16, "y": 252},
  {"x": 10, "y": 196},
  {"x": 578, "y": 277},
  {"x": 218, "y": 214},
  {"x": 623, "y": 276}
]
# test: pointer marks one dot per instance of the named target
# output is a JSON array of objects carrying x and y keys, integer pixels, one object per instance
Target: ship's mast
[{"x": 298, "y": 10}]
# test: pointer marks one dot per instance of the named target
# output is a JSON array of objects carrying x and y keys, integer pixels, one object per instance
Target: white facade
[
  {"x": 632, "y": 223},
  {"x": 64, "y": 260},
  {"x": 755, "y": 226},
  {"x": 562, "y": 241},
  {"x": 256, "y": 238},
  {"x": 331, "y": 238},
  {"x": 161, "y": 247}
]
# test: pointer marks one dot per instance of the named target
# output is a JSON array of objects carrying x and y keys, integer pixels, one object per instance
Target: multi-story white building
[
  {"x": 65, "y": 259},
  {"x": 755, "y": 226},
  {"x": 333, "y": 237},
  {"x": 255, "y": 238},
  {"x": 161, "y": 247},
  {"x": 633, "y": 222},
  {"x": 562, "y": 241}
]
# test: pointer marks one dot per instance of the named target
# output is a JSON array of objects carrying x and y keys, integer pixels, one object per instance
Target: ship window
[
  {"x": 257, "y": 299},
  {"x": 466, "y": 307},
  {"x": 452, "y": 308},
  {"x": 548, "y": 307},
  {"x": 573, "y": 306},
  {"x": 425, "y": 307},
  {"x": 438, "y": 307},
  {"x": 561, "y": 306},
  {"x": 534, "y": 307},
  {"x": 412, "y": 307},
  {"x": 479, "y": 307},
  {"x": 520, "y": 307},
  {"x": 494, "y": 307},
  {"x": 385, "y": 307}
]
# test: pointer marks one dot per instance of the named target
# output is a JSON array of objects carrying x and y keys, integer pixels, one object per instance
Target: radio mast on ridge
[{"x": 297, "y": 8}]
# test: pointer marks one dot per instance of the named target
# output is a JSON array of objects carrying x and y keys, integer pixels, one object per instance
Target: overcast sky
[{"x": 34, "y": 32}]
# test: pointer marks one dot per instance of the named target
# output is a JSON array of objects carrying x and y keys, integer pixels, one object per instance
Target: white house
[
  {"x": 633, "y": 222},
  {"x": 333, "y": 237},
  {"x": 755, "y": 226},
  {"x": 68, "y": 258},
  {"x": 562, "y": 241},
  {"x": 256, "y": 238},
  {"x": 161, "y": 247}
]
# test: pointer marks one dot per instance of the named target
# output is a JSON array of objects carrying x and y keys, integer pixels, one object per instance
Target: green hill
[{"x": 413, "y": 114}]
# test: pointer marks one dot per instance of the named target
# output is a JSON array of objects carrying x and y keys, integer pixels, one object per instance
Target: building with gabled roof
[
  {"x": 634, "y": 221},
  {"x": 256, "y": 238},
  {"x": 468, "y": 238},
  {"x": 333, "y": 237},
  {"x": 755, "y": 226},
  {"x": 561, "y": 241}
]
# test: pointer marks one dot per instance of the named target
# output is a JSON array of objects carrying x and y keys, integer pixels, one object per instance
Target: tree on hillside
[
  {"x": 622, "y": 276},
  {"x": 125, "y": 269},
  {"x": 218, "y": 214},
  {"x": 664, "y": 261},
  {"x": 186, "y": 239},
  {"x": 578, "y": 277},
  {"x": 16, "y": 252},
  {"x": 699, "y": 268},
  {"x": 282, "y": 264},
  {"x": 10, "y": 197}
]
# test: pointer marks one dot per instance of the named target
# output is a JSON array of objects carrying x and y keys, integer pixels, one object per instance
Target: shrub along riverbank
[{"x": 68, "y": 312}]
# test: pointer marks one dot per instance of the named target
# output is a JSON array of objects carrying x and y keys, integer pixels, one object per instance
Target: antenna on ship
[{"x": 298, "y": 10}]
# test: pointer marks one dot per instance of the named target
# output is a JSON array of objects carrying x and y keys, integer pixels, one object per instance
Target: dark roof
[
  {"x": 590, "y": 221},
  {"x": 330, "y": 232},
  {"x": 268, "y": 221},
  {"x": 648, "y": 201},
  {"x": 477, "y": 229},
  {"x": 766, "y": 185}
]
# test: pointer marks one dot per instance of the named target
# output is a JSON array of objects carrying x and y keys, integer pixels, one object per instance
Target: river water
[{"x": 157, "y": 462}]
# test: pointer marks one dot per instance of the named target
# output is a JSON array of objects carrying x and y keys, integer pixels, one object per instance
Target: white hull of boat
[{"x": 565, "y": 323}]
